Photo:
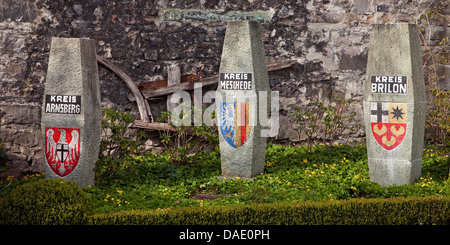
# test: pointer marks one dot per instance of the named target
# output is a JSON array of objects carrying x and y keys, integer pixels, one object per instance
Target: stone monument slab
[
  {"x": 242, "y": 75},
  {"x": 394, "y": 104},
  {"x": 71, "y": 113}
]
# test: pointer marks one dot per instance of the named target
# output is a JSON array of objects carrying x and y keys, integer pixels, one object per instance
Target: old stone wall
[{"x": 328, "y": 38}]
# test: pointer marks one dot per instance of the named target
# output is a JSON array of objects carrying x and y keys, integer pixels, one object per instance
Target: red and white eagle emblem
[{"x": 62, "y": 149}]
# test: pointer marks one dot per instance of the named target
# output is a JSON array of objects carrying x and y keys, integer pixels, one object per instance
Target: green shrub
[
  {"x": 46, "y": 202},
  {"x": 394, "y": 211},
  {"x": 3, "y": 155},
  {"x": 183, "y": 141},
  {"x": 438, "y": 120},
  {"x": 117, "y": 143},
  {"x": 326, "y": 123}
]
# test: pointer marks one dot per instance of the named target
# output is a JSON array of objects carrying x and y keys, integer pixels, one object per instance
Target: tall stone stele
[
  {"x": 71, "y": 113},
  {"x": 394, "y": 104},
  {"x": 242, "y": 75}
]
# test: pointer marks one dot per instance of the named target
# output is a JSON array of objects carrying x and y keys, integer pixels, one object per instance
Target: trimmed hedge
[
  {"x": 394, "y": 211},
  {"x": 46, "y": 202},
  {"x": 61, "y": 202}
]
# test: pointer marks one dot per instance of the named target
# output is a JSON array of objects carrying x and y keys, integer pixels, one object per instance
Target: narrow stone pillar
[
  {"x": 243, "y": 74},
  {"x": 394, "y": 104},
  {"x": 71, "y": 113}
]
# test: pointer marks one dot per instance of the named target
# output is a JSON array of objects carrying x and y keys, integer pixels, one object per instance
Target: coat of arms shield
[
  {"x": 62, "y": 149},
  {"x": 388, "y": 123},
  {"x": 234, "y": 123}
]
